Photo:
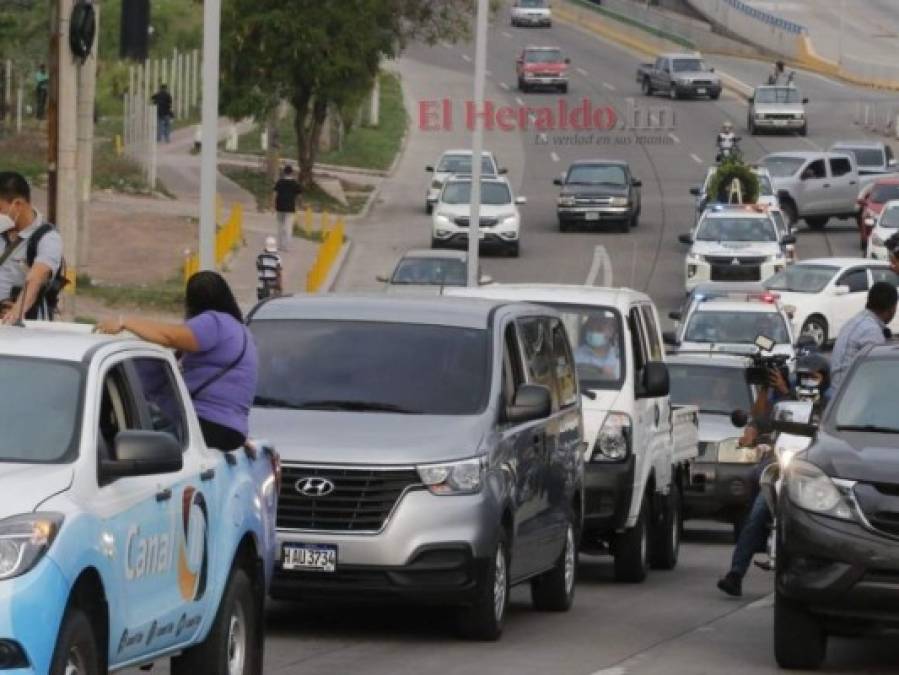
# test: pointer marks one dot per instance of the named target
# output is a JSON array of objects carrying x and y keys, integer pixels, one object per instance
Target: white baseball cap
[{"x": 271, "y": 244}]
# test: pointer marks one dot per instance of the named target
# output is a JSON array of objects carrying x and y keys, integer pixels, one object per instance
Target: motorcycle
[{"x": 731, "y": 151}]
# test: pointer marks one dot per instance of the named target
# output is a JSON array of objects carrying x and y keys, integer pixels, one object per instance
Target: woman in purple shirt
[{"x": 219, "y": 361}]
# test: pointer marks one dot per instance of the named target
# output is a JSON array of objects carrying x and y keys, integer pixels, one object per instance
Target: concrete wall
[{"x": 762, "y": 29}]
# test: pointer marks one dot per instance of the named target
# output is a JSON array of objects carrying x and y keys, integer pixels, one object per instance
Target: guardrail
[
  {"x": 228, "y": 236},
  {"x": 327, "y": 255},
  {"x": 766, "y": 17}
]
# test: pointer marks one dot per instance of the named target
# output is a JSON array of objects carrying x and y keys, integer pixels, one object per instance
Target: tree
[{"x": 318, "y": 55}]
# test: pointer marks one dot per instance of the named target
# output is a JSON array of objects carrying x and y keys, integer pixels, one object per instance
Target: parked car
[
  {"x": 431, "y": 451},
  {"x": 777, "y": 108},
  {"x": 824, "y": 293},
  {"x": 532, "y": 13},
  {"x": 871, "y": 200},
  {"x": 873, "y": 158},
  {"x": 837, "y": 515},
  {"x": 639, "y": 447},
  {"x": 679, "y": 75},
  {"x": 722, "y": 480},
  {"x": 734, "y": 243},
  {"x": 452, "y": 162},
  {"x": 542, "y": 67},
  {"x": 766, "y": 191},
  {"x": 599, "y": 192},
  {"x": 814, "y": 186},
  {"x": 124, "y": 540},
  {"x": 426, "y": 272},
  {"x": 500, "y": 219}
]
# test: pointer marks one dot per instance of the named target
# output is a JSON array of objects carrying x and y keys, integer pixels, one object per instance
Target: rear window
[{"x": 712, "y": 389}]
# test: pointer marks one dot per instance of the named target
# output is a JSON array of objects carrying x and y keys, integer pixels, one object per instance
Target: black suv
[
  {"x": 838, "y": 519},
  {"x": 597, "y": 192}
]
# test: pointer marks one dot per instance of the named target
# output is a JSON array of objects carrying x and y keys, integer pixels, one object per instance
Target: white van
[{"x": 638, "y": 446}]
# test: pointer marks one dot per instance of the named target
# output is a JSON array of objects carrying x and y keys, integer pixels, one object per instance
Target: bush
[{"x": 721, "y": 182}]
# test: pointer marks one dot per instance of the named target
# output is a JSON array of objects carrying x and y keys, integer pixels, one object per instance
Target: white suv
[
  {"x": 734, "y": 243},
  {"x": 453, "y": 162},
  {"x": 531, "y": 13},
  {"x": 500, "y": 220}
]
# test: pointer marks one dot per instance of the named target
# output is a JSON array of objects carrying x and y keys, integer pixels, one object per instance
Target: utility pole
[
  {"x": 212, "y": 17},
  {"x": 477, "y": 145},
  {"x": 87, "y": 87}
]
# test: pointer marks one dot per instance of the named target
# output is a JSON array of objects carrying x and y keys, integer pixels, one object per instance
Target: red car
[
  {"x": 542, "y": 67},
  {"x": 871, "y": 200}
]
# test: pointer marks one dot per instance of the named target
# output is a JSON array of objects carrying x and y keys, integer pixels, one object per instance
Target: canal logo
[{"x": 193, "y": 553}]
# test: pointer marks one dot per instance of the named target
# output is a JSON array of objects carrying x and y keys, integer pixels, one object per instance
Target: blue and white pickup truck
[{"x": 123, "y": 539}]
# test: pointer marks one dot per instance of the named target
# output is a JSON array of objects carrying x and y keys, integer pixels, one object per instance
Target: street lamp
[
  {"x": 212, "y": 16},
  {"x": 477, "y": 144}
]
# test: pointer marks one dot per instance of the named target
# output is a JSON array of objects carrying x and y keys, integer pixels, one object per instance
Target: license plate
[
  {"x": 591, "y": 215},
  {"x": 701, "y": 90},
  {"x": 780, "y": 123},
  {"x": 309, "y": 557}
]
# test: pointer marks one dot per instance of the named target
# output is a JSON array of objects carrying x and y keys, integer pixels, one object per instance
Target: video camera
[{"x": 765, "y": 364}]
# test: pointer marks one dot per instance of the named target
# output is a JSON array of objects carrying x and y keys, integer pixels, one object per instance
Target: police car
[
  {"x": 123, "y": 538},
  {"x": 735, "y": 243}
]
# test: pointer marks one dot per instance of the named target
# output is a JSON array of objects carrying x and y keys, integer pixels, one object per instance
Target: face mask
[
  {"x": 809, "y": 383},
  {"x": 6, "y": 223},
  {"x": 597, "y": 339}
]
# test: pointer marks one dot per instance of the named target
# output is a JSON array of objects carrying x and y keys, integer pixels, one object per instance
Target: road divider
[
  {"x": 328, "y": 253},
  {"x": 600, "y": 268}
]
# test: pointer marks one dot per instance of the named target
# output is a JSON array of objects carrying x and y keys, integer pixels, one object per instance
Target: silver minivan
[{"x": 431, "y": 449}]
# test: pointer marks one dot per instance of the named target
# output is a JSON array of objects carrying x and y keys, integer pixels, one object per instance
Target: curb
[{"x": 337, "y": 267}]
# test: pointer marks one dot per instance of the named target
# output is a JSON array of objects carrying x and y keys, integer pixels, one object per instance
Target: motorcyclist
[
  {"x": 727, "y": 141},
  {"x": 812, "y": 380}
]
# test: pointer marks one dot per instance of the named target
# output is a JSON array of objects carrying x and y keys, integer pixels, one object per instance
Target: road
[{"x": 677, "y": 623}]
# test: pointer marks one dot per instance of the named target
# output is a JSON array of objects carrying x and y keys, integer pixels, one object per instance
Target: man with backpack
[{"x": 32, "y": 270}]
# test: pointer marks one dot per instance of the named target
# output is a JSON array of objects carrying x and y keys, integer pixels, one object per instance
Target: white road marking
[
  {"x": 507, "y": 34},
  {"x": 504, "y": 86},
  {"x": 611, "y": 671},
  {"x": 610, "y": 87},
  {"x": 518, "y": 100},
  {"x": 543, "y": 139},
  {"x": 696, "y": 158},
  {"x": 466, "y": 57},
  {"x": 554, "y": 156},
  {"x": 811, "y": 143},
  {"x": 674, "y": 138},
  {"x": 767, "y": 601},
  {"x": 601, "y": 263},
  {"x": 582, "y": 72}
]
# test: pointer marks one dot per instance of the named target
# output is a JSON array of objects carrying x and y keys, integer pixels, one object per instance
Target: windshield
[
  {"x": 735, "y": 327},
  {"x": 430, "y": 272},
  {"x": 765, "y": 189},
  {"x": 802, "y": 278},
  {"x": 462, "y": 164},
  {"x": 736, "y": 229},
  {"x": 890, "y": 217},
  {"x": 543, "y": 56},
  {"x": 41, "y": 412},
  {"x": 597, "y": 174},
  {"x": 532, "y": 3},
  {"x": 688, "y": 65},
  {"x": 869, "y": 397},
  {"x": 712, "y": 389},
  {"x": 884, "y": 193},
  {"x": 777, "y": 95},
  {"x": 783, "y": 167},
  {"x": 372, "y": 366},
  {"x": 865, "y": 156},
  {"x": 492, "y": 194},
  {"x": 596, "y": 340}
]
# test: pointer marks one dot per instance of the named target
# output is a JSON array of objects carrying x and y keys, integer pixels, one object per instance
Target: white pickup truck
[
  {"x": 639, "y": 447},
  {"x": 124, "y": 540}
]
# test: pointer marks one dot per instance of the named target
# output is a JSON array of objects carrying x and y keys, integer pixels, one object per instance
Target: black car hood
[
  {"x": 594, "y": 191},
  {"x": 861, "y": 456}
]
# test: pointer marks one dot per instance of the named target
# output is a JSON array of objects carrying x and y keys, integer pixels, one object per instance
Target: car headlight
[
  {"x": 813, "y": 490},
  {"x": 730, "y": 452},
  {"x": 876, "y": 240},
  {"x": 613, "y": 443},
  {"x": 442, "y": 219},
  {"x": 507, "y": 218},
  {"x": 618, "y": 201},
  {"x": 454, "y": 478},
  {"x": 760, "y": 116},
  {"x": 694, "y": 258},
  {"x": 691, "y": 271},
  {"x": 436, "y": 184},
  {"x": 528, "y": 74},
  {"x": 24, "y": 540},
  {"x": 567, "y": 201}
]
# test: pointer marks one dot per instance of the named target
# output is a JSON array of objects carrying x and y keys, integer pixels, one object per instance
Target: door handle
[
  {"x": 853, "y": 182},
  {"x": 209, "y": 474},
  {"x": 164, "y": 495},
  {"x": 827, "y": 185}
]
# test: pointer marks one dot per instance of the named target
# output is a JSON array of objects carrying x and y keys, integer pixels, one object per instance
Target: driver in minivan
[{"x": 598, "y": 347}]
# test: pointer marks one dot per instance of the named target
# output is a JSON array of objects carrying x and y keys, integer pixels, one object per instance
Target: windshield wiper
[
  {"x": 269, "y": 402},
  {"x": 357, "y": 406},
  {"x": 873, "y": 428}
]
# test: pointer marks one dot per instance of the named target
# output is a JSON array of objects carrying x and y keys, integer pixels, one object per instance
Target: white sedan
[
  {"x": 822, "y": 294},
  {"x": 453, "y": 162},
  {"x": 886, "y": 226}
]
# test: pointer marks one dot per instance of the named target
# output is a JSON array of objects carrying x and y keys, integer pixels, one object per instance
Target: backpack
[{"x": 53, "y": 288}]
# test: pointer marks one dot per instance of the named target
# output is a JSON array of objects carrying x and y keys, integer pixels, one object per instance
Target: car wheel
[
  {"x": 816, "y": 328},
  {"x": 799, "y": 639},
  {"x": 715, "y": 95},
  {"x": 435, "y": 243},
  {"x": 625, "y": 226},
  {"x": 76, "y": 651},
  {"x": 514, "y": 250},
  {"x": 646, "y": 87},
  {"x": 804, "y": 130},
  {"x": 789, "y": 209},
  {"x": 750, "y": 127},
  {"x": 554, "y": 590},
  {"x": 429, "y": 208},
  {"x": 635, "y": 221},
  {"x": 632, "y": 550},
  {"x": 564, "y": 226},
  {"x": 234, "y": 644},
  {"x": 484, "y": 619},
  {"x": 666, "y": 533},
  {"x": 563, "y": 88},
  {"x": 817, "y": 222},
  {"x": 672, "y": 93}
]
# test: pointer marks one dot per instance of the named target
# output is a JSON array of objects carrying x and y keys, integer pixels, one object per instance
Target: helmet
[
  {"x": 271, "y": 245},
  {"x": 812, "y": 365},
  {"x": 727, "y": 126}
]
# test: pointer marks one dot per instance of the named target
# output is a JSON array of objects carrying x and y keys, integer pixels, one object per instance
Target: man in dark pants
[
  {"x": 41, "y": 88},
  {"x": 162, "y": 99},
  {"x": 286, "y": 191}
]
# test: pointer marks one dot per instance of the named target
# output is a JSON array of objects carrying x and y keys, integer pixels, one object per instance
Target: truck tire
[
  {"x": 715, "y": 95},
  {"x": 632, "y": 550},
  {"x": 233, "y": 644},
  {"x": 800, "y": 642},
  {"x": 788, "y": 206},
  {"x": 817, "y": 222},
  {"x": 484, "y": 619},
  {"x": 553, "y": 591},
  {"x": 646, "y": 87},
  {"x": 672, "y": 93},
  {"x": 804, "y": 130},
  {"x": 750, "y": 126},
  {"x": 76, "y": 648},
  {"x": 666, "y": 535},
  {"x": 816, "y": 328}
]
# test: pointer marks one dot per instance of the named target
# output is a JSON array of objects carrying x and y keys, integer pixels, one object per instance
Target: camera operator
[{"x": 811, "y": 382}]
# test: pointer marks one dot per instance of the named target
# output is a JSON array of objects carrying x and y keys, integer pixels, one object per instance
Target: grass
[
  {"x": 26, "y": 153},
  {"x": 120, "y": 173},
  {"x": 665, "y": 35},
  {"x": 166, "y": 296},
  {"x": 364, "y": 147}
]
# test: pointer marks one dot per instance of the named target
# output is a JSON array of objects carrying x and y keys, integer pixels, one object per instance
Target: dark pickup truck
[
  {"x": 597, "y": 192},
  {"x": 679, "y": 75}
]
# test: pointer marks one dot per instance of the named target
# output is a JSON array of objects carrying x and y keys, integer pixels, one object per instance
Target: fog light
[{"x": 12, "y": 655}]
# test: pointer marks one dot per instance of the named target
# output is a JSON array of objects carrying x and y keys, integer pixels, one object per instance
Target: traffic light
[{"x": 134, "y": 37}]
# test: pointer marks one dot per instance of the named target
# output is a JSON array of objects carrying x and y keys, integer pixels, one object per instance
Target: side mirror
[
  {"x": 739, "y": 418},
  {"x": 655, "y": 380},
  {"x": 532, "y": 402},
  {"x": 751, "y": 99},
  {"x": 788, "y": 239},
  {"x": 557, "y": 181},
  {"x": 502, "y": 171},
  {"x": 841, "y": 290},
  {"x": 669, "y": 337},
  {"x": 485, "y": 279},
  {"x": 383, "y": 278},
  {"x": 636, "y": 182},
  {"x": 675, "y": 315},
  {"x": 891, "y": 161},
  {"x": 143, "y": 453},
  {"x": 567, "y": 60},
  {"x": 711, "y": 70},
  {"x": 429, "y": 169},
  {"x": 805, "y": 101},
  {"x": 685, "y": 239},
  {"x": 695, "y": 190},
  {"x": 521, "y": 200}
]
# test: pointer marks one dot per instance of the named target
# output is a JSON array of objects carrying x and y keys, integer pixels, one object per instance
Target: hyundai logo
[{"x": 312, "y": 486}]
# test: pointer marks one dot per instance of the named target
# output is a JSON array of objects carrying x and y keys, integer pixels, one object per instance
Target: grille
[
  {"x": 597, "y": 201},
  {"x": 462, "y": 221},
  {"x": 728, "y": 260},
  {"x": 361, "y": 501},
  {"x": 702, "y": 83},
  {"x": 779, "y": 116},
  {"x": 735, "y": 273},
  {"x": 880, "y": 504}
]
